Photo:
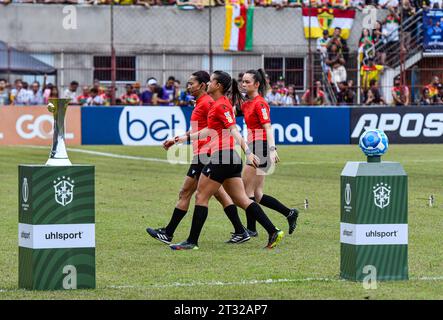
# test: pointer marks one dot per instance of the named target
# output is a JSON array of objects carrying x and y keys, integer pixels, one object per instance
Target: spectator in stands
[
  {"x": 281, "y": 84},
  {"x": 338, "y": 4},
  {"x": 178, "y": 91},
  {"x": 390, "y": 30},
  {"x": 83, "y": 98},
  {"x": 336, "y": 63},
  {"x": 383, "y": 4},
  {"x": 4, "y": 93},
  {"x": 290, "y": 98},
  {"x": 316, "y": 98},
  {"x": 373, "y": 96},
  {"x": 438, "y": 99},
  {"x": 433, "y": 87},
  {"x": 379, "y": 40},
  {"x": 47, "y": 89},
  {"x": 136, "y": 87},
  {"x": 107, "y": 96},
  {"x": 322, "y": 43},
  {"x": 240, "y": 77},
  {"x": 100, "y": 89},
  {"x": 71, "y": 92},
  {"x": 358, "y": 4},
  {"x": 168, "y": 92},
  {"x": 366, "y": 44},
  {"x": 426, "y": 99},
  {"x": 278, "y": 4},
  {"x": 370, "y": 72},
  {"x": 341, "y": 43},
  {"x": 130, "y": 97},
  {"x": 274, "y": 98},
  {"x": 294, "y": 3},
  {"x": 54, "y": 93},
  {"x": 345, "y": 96},
  {"x": 400, "y": 93},
  {"x": 19, "y": 94},
  {"x": 94, "y": 99},
  {"x": 185, "y": 98},
  {"x": 147, "y": 97},
  {"x": 36, "y": 95}
]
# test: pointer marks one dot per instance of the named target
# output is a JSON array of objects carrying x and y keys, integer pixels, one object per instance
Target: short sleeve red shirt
[
  {"x": 256, "y": 113},
  {"x": 220, "y": 118},
  {"x": 199, "y": 121}
]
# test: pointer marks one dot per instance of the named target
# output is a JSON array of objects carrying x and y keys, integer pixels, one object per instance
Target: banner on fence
[
  {"x": 152, "y": 125},
  {"x": 35, "y": 126},
  {"x": 432, "y": 31},
  {"x": 401, "y": 124}
]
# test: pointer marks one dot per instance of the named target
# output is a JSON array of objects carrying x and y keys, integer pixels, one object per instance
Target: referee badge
[{"x": 228, "y": 117}]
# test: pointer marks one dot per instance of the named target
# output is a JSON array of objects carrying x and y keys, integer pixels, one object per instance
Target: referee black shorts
[
  {"x": 224, "y": 164},
  {"x": 198, "y": 163},
  {"x": 261, "y": 150}
]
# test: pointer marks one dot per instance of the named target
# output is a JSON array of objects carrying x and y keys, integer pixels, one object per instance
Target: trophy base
[{"x": 58, "y": 162}]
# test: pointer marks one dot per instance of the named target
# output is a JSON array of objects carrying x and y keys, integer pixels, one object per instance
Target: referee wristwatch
[{"x": 273, "y": 148}]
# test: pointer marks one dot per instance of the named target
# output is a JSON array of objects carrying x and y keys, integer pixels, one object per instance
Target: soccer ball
[{"x": 374, "y": 142}]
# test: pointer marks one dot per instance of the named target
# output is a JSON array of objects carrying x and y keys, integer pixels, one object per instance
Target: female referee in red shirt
[
  {"x": 225, "y": 166},
  {"x": 197, "y": 87},
  {"x": 261, "y": 141}
]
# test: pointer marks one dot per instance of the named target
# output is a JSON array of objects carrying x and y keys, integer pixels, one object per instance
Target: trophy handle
[{"x": 58, "y": 155}]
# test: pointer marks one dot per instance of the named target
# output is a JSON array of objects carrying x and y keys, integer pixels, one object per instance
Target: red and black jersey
[
  {"x": 256, "y": 113},
  {"x": 220, "y": 118},
  {"x": 199, "y": 121}
]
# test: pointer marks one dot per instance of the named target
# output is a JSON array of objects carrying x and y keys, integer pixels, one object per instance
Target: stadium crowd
[
  {"x": 172, "y": 93},
  {"x": 278, "y": 4}
]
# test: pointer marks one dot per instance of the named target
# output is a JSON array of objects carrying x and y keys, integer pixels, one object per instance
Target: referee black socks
[
  {"x": 257, "y": 212},
  {"x": 177, "y": 216},
  {"x": 198, "y": 220},
  {"x": 232, "y": 214},
  {"x": 250, "y": 219},
  {"x": 274, "y": 204}
]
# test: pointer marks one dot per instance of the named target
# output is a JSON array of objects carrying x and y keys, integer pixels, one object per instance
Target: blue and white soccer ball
[{"x": 374, "y": 142}]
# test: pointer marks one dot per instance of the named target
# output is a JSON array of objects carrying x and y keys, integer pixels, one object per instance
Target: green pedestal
[
  {"x": 56, "y": 227},
  {"x": 374, "y": 221}
]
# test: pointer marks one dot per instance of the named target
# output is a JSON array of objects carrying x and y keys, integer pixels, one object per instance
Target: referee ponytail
[
  {"x": 260, "y": 77},
  {"x": 230, "y": 87}
]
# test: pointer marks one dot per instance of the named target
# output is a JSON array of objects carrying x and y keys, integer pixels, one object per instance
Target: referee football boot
[
  {"x": 185, "y": 245},
  {"x": 275, "y": 238},
  {"x": 292, "y": 220},
  {"x": 239, "y": 237},
  {"x": 159, "y": 234},
  {"x": 252, "y": 233}
]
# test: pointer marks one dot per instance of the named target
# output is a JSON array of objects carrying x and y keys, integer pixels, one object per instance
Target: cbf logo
[
  {"x": 382, "y": 195},
  {"x": 64, "y": 190}
]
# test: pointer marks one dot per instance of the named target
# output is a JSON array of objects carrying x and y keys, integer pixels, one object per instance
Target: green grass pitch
[{"x": 133, "y": 194}]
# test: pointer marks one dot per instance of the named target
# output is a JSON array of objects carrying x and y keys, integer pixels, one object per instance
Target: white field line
[
  {"x": 114, "y": 155},
  {"x": 238, "y": 283},
  {"x": 251, "y": 282},
  {"x": 121, "y": 156}
]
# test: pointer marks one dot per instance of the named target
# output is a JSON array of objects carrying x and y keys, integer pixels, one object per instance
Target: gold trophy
[{"x": 58, "y": 155}]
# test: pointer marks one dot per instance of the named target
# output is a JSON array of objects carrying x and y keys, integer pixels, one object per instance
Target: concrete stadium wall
[{"x": 39, "y": 27}]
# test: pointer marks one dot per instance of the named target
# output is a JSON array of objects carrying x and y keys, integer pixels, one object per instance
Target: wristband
[{"x": 189, "y": 138}]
